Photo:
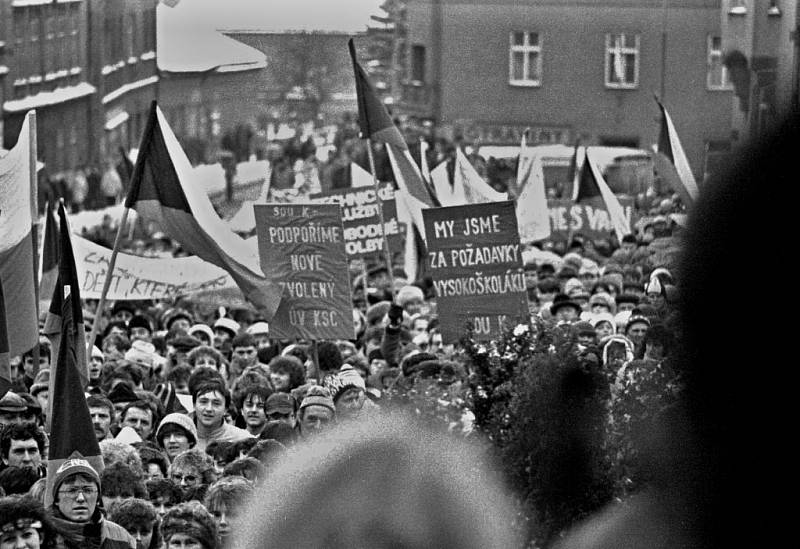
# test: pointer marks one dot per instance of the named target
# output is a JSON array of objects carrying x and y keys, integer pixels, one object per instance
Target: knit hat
[
  {"x": 181, "y": 420},
  {"x": 204, "y": 328},
  {"x": 604, "y": 299},
  {"x": 318, "y": 396},
  {"x": 74, "y": 465},
  {"x": 228, "y": 324},
  {"x": 258, "y": 328},
  {"x": 142, "y": 353},
  {"x": 122, "y": 392},
  {"x": 193, "y": 519},
  {"x": 571, "y": 285},
  {"x": 409, "y": 293},
  {"x": 12, "y": 402},
  {"x": 636, "y": 319},
  {"x": 347, "y": 377},
  {"x": 41, "y": 382},
  {"x": 283, "y": 403}
]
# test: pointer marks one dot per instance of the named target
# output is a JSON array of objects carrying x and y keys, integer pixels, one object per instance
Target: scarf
[{"x": 80, "y": 535}]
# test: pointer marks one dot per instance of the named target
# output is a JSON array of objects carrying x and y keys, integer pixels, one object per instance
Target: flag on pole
[
  {"x": 591, "y": 184},
  {"x": 533, "y": 216},
  {"x": 469, "y": 186},
  {"x": 70, "y": 424},
  {"x": 49, "y": 259},
  {"x": 441, "y": 183},
  {"x": 423, "y": 161},
  {"x": 375, "y": 124},
  {"x": 359, "y": 177},
  {"x": 16, "y": 243},
  {"x": 5, "y": 366},
  {"x": 161, "y": 192},
  {"x": 669, "y": 145}
]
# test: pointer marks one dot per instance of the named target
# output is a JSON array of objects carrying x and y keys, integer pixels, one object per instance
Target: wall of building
[{"x": 472, "y": 39}]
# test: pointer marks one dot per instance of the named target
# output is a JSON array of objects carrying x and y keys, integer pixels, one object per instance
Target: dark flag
[
  {"x": 47, "y": 280},
  {"x": 5, "y": 367},
  {"x": 70, "y": 424},
  {"x": 591, "y": 184},
  {"x": 670, "y": 161}
]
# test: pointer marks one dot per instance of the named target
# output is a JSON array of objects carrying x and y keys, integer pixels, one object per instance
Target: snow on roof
[
  {"x": 186, "y": 45},
  {"x": 44, "y": 99},
  {"x": 562, "y": 154},
  {"x": 332, "y": 16}
]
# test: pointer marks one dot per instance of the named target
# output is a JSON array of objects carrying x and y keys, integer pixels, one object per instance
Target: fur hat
[
  {"x": 140, "y": 321},
  {"x": 561, "y": 301},
  {"x": 174, "y": 314},
  {"x": 584, "y": 328},
  {"x": 376, "y": 312},
  {"x": 604, "y": 299},
  {"x": 12, "y": 402},
  {"x": 571, "y": 285},
  {"x": 41, "y": 382},
  {"x": 190, "y": 518},
  {"x": 181, "y": 420},
  {"x": 410, "y": 362},
  {"x": 409, "y": 293}
]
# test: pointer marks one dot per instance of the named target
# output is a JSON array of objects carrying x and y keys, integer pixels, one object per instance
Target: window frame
[
  {"x": 526, "y": 49},
  {"x": 711, "y": 53},
  {"x": 610, "y": 48}
]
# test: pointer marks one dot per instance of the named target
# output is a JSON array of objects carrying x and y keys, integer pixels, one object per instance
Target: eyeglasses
[
  {"x": 189, "y": 479},
  {"x": 72, "y": 493},
  {"x": 278, "y": 415}
]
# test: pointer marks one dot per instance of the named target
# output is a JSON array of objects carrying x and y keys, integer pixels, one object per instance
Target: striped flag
[
  {"x": 375, "y": 124},
  {"x": 70, "y": 424},
  {"x": 5, "y": 366},
  {"x": 16, "y": 243},
  {"x": 469, "y": 187},
  {"x": 533, "y": 217},
  {"x": 681, "y": 177},
  {"x": 591, "y": 184},
  {"x": 162, "y": 192}
]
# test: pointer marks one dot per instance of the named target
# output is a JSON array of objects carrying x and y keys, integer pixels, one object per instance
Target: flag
[
  {"x": 49, "y": 259},
  {"x": 423, "y": 161},
  {"x": 162, "y": 192},
  {"x": 669, "y": 145},
  {"x": 16, "y": 243},
  {"x": 469, "y": 187},
  {"x": 441, "y": 183},
  {"x": 359, "y": 177},
  {"x": 591, "y": 184},
  {"x": 5, "y": 366},
  {"x": 70, "y": 424},
  {"x": 533, "y": 217},
  {"x": 375, "y": 124},
  {"x": 414, "y": 252}
]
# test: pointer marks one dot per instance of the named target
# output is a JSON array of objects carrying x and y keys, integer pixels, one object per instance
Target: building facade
[
  {"x": 88, "y": 69},
  {"x": 569, "y": 69}
]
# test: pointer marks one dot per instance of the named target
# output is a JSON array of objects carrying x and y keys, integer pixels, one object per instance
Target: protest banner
[
  {"x": 138, "y": 277},
  {"x": 302, "y": 248},
  {"x": 589, "y": 218},
  {"x": 362, "y": 228},
  {"x": 475, "y": 260}
]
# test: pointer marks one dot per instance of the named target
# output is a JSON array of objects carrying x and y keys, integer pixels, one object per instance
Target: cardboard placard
[
  {"x": 362, "y": 232},
  {"x": 301, "y": 247},
  {"x": 474, "y": 257}
]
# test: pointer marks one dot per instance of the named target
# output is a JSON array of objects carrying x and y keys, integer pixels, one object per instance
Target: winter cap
[
  {"x": 571, "y": 285},
  {"x": 408, "y": 294},
  {"x": 318, "y": 396},
  {"x": 140, "y": 321},
  {"x": 12, "y": 402},
  {"x": 96, "y": 352},
  {"x": 258, "y": 328},
  {"x": 142, "y": 353},
  {"x": 603, "y": 317},
  {"x": 589, "y": 267},
  {"x": 635, "y": 319},
  {"x": 410, "y": 361},
  {"x": 181, "y": 420},
  {"x": 185, "y": 343},
  {"x": 567, "y": 271},
  {"x": 375, "y": 353},
  {"x": 204, "y": 328},
  {"x": 604, "y": 299},
  {"x": 578, "y": 293},
  {"x": 120, "y": 306},
  {"x": 613, "y": 278},
  {"x": 573, "y": 260},
  {"x": 376, "y": 312},
  {"x": 174, "y": 314},
  {"x": 282, "y": 403},
  {"x": 76, "y": 464},
  {"x": 346, "y": 378},
  {"x": 228, "y": 324},
  {"x": 41, "y": 382},
  {"x": 654, "y": 286},
  {"x": 122, "y": 392},
  {"x": 584, "y": 328},
  {"x": 562, "y": 300},
  {"x": 627, "y": 298},
  {"x": 192, "y": 519}
]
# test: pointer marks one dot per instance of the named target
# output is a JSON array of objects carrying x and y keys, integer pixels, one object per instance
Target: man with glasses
[{"x": 76, "y": 489}]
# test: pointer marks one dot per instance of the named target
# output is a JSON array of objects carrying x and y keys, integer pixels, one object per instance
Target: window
[
  {"x": 622, "y": 61},
  {"x": 717, "y": 76},
  {"x": 738, "y": 7},
  {"x": 417, "y": 64},
  {"x": 525, "y": 59}
]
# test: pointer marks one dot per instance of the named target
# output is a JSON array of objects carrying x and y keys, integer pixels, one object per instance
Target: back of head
[{"x": 383, "y": 482}]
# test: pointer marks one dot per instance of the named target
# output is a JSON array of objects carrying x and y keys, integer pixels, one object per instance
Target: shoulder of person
[{"x": 114, "y": 536}]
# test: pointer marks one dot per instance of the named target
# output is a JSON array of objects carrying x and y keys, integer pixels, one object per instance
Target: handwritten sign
[
  {"x": 475, "y": 260},
  {"x": 362, "y": 228},
  {"x": 589, "y": 218},
  {"x": 302, "y": 247},
  {"x": 138, "y": 277}
]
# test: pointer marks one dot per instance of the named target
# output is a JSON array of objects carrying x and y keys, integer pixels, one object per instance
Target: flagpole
[
  {"x": 107, "y": 282},
  {"x": 379, "y": 201},
  {"x": 365, "y": 276},
  {"x": 32, "y": 147}
]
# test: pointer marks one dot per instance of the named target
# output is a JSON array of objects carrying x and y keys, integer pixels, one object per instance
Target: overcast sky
[{"x": 273, "y": 15}]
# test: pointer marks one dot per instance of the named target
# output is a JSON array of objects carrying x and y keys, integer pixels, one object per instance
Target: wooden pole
[
  {"x": 387, "y": 254},
  {"x": 32, "y": 156},
  {"x": 107, "y": 282},
  {"x": 365, "y": 276}
]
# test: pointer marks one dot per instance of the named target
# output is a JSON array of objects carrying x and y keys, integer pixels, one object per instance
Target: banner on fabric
[
  {"x": 138, "y": 277},
  {"x": 302, "y": 248},
  {"x": 589, "y": 218},
  {"x": 475, "y": 260},
  {"x": 362, "y": 228}
]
